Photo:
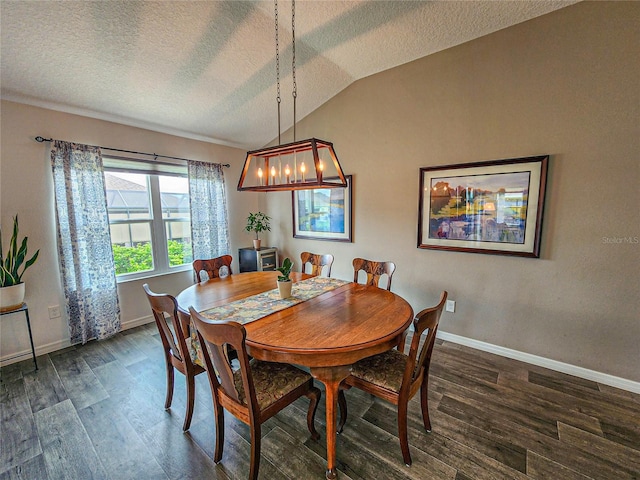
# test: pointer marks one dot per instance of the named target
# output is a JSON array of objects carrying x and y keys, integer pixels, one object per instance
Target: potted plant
[
  {"x": 258, "y": 222},
  {"x": 11, "y": 285},
  {"x": 284, "y": 281}
]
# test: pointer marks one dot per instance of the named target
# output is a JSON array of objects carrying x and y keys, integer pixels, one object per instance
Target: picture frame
[
  {"x": 492, "y": 207},
  {"x": 323, "y": 213}
]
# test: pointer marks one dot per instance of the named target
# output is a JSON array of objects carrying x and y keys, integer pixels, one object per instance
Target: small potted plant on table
[
  {"x": 258, "y": 222},
  {"x": 284, "y": 281}
]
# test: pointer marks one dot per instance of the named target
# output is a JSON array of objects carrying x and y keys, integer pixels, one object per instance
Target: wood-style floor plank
[
  {"x": 68, "y": 452},
  {"x": 367, "y": 451},
  {"x": 44, "y": 387},
  {"x": 80, "y": 383},
  {"x": 456, "y": 398},
  {"x": 97, "y": 411},
  {"x": 619, "y": 456},
  {"x": 123, "y": 453},
  {"x": 291, "y": 457},
  {"x": 617, "y": 422},
  {"x": 125, "y": 350},
  {"x": 511, "y": 455},
  {"x": 539, "y": 443},
  {"x": 541, "y": 468},
  {"x": 32, "y": 469},
  {"x": 177, "y": 453},
  {"x": 20, "y": 440}
]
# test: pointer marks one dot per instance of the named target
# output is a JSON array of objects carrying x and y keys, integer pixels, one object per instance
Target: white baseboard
[
  {"x": 567, "y": 368},
  {"x": 60, "y": 344},
  {"x": 136, "y": 322}
]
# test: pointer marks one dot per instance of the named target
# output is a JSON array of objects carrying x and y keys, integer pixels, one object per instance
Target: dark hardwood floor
[{"x": 96, "y": 411}]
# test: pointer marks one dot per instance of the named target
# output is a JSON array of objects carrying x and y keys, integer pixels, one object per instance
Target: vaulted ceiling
[{"x": 206, "y": 69}]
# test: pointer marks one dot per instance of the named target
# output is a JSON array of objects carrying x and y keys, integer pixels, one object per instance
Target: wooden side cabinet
[{"x": 252, "y": 260}]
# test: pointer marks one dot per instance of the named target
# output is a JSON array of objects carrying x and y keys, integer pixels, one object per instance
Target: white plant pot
[
  {"x": 11, "y": 297},
  {"x": 284, "y": 288}
]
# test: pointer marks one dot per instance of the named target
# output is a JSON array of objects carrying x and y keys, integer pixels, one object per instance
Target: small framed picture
[
  {"x": 323, "y": 213},
  {"x": 485, "y": 207}
]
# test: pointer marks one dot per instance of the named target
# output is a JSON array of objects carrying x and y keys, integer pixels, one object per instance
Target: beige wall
[
  {"x": 26, "y": 188},
  {"x": 566, "y": 84}
]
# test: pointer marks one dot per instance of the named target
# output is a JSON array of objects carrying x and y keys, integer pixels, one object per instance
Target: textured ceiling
[{"x": 206, "y": 70}]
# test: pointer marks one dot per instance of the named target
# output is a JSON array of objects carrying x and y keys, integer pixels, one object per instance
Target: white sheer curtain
[
  {"x": 209, "y": 222},
  {"x": 84, "y": 243}
]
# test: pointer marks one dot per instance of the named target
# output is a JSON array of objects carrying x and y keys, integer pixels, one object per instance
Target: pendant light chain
[
  {"x": 278, "y": 71},
  {"x": 293, "y": 63},
  {"x": 282, "y": 167}
]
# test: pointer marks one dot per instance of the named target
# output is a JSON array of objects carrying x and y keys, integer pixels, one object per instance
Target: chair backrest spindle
[
  {"x": 374, "y": 270},
  {"x": 317, "y": 263},
  {"x": 427, "y": 319},
  {"x": 214, "y": 267}
]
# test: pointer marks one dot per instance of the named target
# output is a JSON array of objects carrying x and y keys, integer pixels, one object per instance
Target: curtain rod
[{"x": 154, "y": 155}]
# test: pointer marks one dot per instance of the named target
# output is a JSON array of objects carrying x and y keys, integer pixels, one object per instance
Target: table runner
[{"x": 263, "y": 304}]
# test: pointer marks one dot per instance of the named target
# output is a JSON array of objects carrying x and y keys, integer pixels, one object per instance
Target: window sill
[{"x": 144, "y": 276}]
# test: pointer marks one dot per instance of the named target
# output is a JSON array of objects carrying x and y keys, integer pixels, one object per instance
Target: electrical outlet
[
  {"x": 54, "y": 311},
  {"x": 450, "y": 306}
]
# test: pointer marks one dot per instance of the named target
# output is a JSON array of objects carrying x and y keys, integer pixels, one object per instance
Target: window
[{"x": 149, "y": 218}]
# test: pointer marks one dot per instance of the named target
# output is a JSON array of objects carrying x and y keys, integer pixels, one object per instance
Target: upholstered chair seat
[
  {"x": 272, "y": 381},
  {"x": 384, "y": 370}
]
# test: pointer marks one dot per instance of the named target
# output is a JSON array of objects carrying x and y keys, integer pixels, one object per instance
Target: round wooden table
[{"x": 327, "y": 333}]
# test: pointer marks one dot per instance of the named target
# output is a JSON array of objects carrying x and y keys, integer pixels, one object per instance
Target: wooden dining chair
[
  {"x": 396, "y": 377},
  {"x": 374, "y": 271},
  {"x": 253, "y": 393},
  {"x": 316, "y": 262},
  {"x": 180, "y": 349},
  {"x": 214, "y": 267}
]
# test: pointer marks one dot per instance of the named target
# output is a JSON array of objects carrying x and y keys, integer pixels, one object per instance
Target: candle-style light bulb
[
  {"x": 287, "y": 172},
  {"x": 260, "y": 175},
  {"x": 320, "y": 166},
  {"x": 273, "y": 173},
  {"x": 302, "y": 170}
]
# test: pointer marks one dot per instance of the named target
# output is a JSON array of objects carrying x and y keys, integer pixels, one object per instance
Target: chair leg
[
  {"x": 170, "y": 375},
  {"x": 191, "y": 394},
  {"x": 403, "y": 434},
  {"x": 219, "y": 418},
  {"x": 424, "y": 404},
  {"x": 314, "y": 397},
  {"x": 402, "y": 341},
  {"x": 342, "y": 404},
  {"x": 255, "y": 451}
]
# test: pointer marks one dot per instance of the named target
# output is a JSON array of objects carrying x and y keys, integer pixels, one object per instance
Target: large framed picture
[
  {"x": 323, "y": 213},
  {"x": 485, "y": 207}
]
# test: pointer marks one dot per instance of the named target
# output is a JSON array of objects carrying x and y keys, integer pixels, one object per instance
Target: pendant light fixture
[{"x": 299, "y": 165}]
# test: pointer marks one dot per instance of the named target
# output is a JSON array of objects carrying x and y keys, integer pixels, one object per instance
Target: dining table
[{"x": 327, "y": 333}]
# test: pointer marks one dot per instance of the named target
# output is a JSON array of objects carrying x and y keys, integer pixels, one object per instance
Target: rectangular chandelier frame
[{"x": 283, "y": 167}]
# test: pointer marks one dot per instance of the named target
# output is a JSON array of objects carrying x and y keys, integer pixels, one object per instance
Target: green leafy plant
[
  {"x": 139, "y": 258},
  {"x": 10, "y": 273},
  {"x": 285, "y": 270},
  {"x": 258, "y": 222}
]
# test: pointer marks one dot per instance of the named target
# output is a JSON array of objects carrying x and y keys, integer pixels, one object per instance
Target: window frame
[{"x": 158, "y": 224}]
